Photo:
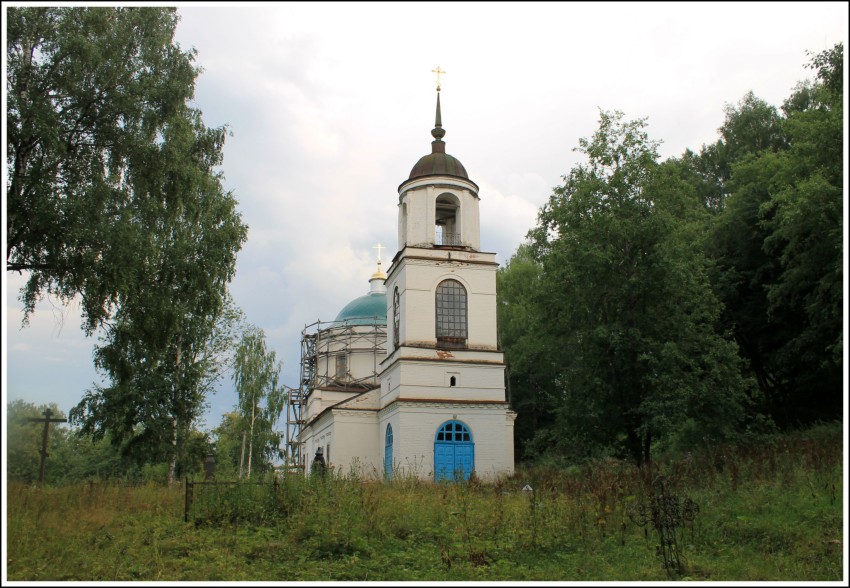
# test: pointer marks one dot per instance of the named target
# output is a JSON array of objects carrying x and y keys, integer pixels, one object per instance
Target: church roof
[
  {"x": 370, "y": 309},
  {"x": 438, "y": 162}
]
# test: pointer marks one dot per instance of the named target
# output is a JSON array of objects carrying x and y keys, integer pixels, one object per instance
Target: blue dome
[{"x": 370, "y": 309}]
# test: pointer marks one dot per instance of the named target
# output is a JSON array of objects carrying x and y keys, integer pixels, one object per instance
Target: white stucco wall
[
  {"x": 417, "y": 275},
  {"x": 417, "y": 211},
  {"x": 358, "y": 451},
  {"x": 408, "y": 379},
  {"x": 491, "y": 426}
]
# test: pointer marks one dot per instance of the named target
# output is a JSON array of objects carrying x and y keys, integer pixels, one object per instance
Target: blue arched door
[
  {"x": 454, "y": 452},
  {"x": 388, "y": 453}
]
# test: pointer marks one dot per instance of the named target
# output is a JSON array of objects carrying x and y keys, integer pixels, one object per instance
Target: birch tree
[{"x": 261, "y": 399}]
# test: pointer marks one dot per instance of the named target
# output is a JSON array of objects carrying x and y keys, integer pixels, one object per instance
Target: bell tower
[
  {"x": 441, "y": 213},
  {"x": 443, "y": 375}
]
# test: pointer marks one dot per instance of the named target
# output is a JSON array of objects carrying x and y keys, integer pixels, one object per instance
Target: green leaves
[
  {"x": 778, "y": 246},
  {"x": 101, "y": 143},
  {"x": 679, "y": 302},
  {"x": 115, "y": 197},
  {"x": 625, "y": 312},
  {"x": 255, "y": 374}
]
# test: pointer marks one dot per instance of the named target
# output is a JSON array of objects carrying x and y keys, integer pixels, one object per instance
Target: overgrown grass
[{"x": 768, "y": 512}]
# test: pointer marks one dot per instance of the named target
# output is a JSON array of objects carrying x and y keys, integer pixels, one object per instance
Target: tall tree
[
  {"x": 626, "y": 296},
  {"x": 94, "y": 99},
  {"x": 261, "y": 400},
  {"x": 230, "y": 438},
  {"x": 115, "y": 196},
  {"x": 778, "y": 247},
  {"x": 527, "y": 344},
  {"x": 161, "y": 374}
]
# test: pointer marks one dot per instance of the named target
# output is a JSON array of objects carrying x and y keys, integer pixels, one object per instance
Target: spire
[{"x": 437, "y": 145}]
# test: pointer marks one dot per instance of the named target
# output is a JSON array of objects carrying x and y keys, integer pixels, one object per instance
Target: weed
[{"x": 780, "y": 518}]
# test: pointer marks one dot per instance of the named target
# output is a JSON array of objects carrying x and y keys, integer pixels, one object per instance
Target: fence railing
[{"x": 448, "y": 239}]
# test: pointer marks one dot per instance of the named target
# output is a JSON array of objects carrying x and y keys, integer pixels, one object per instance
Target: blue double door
[{"x": 454, "y": 452}]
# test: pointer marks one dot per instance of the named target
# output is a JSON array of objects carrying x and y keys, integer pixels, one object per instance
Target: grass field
[{"x": 766, "y": 512}]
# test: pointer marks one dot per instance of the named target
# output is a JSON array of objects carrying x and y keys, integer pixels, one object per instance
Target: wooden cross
[
  {"x": 379, "y": 247},
  {"x": 46, "y": 420},
  {"x": 438, "y": 71}
]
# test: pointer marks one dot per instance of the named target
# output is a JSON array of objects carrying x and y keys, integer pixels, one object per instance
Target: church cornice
[
  {"x": 363, "y": 413},
  {"x": 425, "y": 260},
  {"x": 439, "y": 403},
  {"x": 419, "y": 183},
  {"x": 430, "y": 260},
  {"x": 443, "y": 356},
  {"x": 315, "y": 421}
]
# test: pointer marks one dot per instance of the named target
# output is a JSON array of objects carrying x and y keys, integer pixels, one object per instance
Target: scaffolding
[{"x": 354, "y": 340}]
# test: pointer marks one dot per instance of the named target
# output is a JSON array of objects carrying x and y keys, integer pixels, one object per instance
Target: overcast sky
[{"x": 331, "y": 105}]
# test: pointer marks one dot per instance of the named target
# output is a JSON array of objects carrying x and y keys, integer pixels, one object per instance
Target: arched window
[
  {"x": 388, "y": 452},
  {"x": 451, "y": 314},
  {"x": 395, "y": 316}
]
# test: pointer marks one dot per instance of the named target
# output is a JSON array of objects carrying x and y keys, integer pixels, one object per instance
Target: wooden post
[
  {"x": 46, "y": 420},
  {"x": 187, "y": 501}
]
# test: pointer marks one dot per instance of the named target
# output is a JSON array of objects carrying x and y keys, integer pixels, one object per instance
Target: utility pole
[{"x": 46, "y": 420}]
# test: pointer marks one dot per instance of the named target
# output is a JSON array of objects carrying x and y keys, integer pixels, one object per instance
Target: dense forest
[
  {"x": 664, "y": 305},
  {"x": 656, "y": 305}
]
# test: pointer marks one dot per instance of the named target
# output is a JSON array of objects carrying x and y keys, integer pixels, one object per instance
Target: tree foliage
[
  {"x": 158, "y": 392},
  {"x": 101, "y": 147},
  {"x": 77, "y": 457},
  {"x": 778, "y": 247},
  {"x": 25, "y": 438},
  {"x": 114, "y": 195},
  {"x": 526, "y": 342},
  {"x": 261, "y": 399},
  {"x": 668, "y": 304},
  {"x": 630, "y": 321}
]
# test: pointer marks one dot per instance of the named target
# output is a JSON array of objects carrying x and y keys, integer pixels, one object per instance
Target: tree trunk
[
  {"x": 172, "y": 468},
  {"x": 646, "y": 446},
  {"x": 251, "y": 437},
  {"x": 242, "y": 457}
]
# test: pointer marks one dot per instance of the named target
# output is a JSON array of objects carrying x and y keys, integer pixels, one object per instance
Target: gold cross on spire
[
  {"x": 438, "y": 71},
  {"x": 379, "y": 247}
]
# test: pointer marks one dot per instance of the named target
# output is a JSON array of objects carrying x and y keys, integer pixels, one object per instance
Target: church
[{"x": 408, "y": 379}]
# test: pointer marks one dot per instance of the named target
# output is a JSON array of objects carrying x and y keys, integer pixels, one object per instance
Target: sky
[{"x": 329, "y": 106}]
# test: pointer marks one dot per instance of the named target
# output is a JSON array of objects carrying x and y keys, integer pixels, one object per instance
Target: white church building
[{"x": 409, "y": 380}]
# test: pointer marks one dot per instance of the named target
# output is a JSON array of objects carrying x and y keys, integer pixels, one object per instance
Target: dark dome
[{"x": 438, "y": 164}]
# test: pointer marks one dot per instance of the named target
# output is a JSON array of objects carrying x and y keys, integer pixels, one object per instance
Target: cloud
[{"x": 329, "y": 116}]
